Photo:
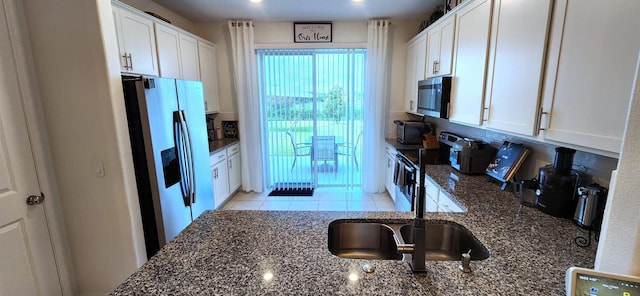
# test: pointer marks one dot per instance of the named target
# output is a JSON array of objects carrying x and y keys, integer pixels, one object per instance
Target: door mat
[{"x": 292, "y": 192}]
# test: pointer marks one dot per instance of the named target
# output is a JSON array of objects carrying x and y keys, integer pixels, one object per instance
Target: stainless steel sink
[
  {"x": 362, "y": 241},
  {"x": 445, "y": 240}
]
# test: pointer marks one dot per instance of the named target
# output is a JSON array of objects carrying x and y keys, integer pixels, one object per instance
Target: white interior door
[{"x": 27, "y": 265}]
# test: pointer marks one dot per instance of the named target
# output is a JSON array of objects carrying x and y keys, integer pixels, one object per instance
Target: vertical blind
[{"x": 306, "y": 94}]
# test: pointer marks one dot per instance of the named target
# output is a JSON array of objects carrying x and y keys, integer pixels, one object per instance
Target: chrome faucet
[{"x": 417, "y": 249}]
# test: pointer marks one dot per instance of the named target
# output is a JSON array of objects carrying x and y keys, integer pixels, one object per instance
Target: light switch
[{"x": 98, "y": 168}]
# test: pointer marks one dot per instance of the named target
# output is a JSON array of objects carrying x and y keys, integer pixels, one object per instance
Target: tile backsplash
[
  {"x": 597, "y": 166},
  {"x": 214, "y": 120}
]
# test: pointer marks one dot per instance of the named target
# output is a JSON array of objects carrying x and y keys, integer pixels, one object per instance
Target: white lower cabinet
[
  {"x": 225, "y": 173},
  {"x": 390, "y": 155},
  {"x": 432, "y": 193},
  {"x": 233, "y": 161},
  {"x": 220, "y": 177},
  {"x": 438, "y": 201}
]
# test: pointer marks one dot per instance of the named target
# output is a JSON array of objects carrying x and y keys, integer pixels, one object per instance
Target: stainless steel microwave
[{"x": 433, "y": 96}]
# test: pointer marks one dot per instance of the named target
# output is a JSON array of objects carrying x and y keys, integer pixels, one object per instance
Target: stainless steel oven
[{"x": 404, "y": 177}]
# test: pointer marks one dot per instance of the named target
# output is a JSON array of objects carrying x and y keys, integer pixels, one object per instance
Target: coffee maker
[{"x": 558, "y": 185}]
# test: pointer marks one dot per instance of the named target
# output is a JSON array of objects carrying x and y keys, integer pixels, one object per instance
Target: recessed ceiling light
[
  {"x": 357, "y": 0},
  {"x": 255, "y": 1}
]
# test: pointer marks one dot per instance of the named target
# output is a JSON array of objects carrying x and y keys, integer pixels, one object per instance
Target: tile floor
[{"x": 323, "y": 199}]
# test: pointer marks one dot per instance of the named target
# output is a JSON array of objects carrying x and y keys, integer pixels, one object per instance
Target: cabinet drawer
[
  {"x": 218, "y": 157},
  {"x": 432, "y": 189},
  {"x": 448, "y": 205},
  {"x": 389, "y": 149},
  {"x": 233, "y": 149}
]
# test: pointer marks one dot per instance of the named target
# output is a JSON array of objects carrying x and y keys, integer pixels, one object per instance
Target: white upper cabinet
[
  {"x": 189, "y": 62},
  {"x": 136, "y": 42},
  {"x": 440, "y": 48},
  {"x": 516, "y": 59},
  {"x": 177, "y": 53},
  {"x": 472, "y": 28},
  {"x": 168, "y": 41},
  {"x": 593, "y": 49},
  {"x": 415, "y": 70},
  {"x": 208, "y": 75}
]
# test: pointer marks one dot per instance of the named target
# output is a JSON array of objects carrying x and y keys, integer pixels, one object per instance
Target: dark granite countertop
[
  {"x": 401, "y": 147},
  {"x": 216, "y": 145},
  {"x": 229, "y": 252}
]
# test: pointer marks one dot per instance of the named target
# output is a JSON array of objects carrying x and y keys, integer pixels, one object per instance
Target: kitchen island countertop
[{"x": 234, "y": 252}]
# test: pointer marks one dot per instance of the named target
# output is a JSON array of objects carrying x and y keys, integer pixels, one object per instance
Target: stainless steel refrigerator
[{"x": 170, "y": 149}]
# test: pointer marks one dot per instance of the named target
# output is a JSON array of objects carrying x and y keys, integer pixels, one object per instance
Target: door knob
[{"x": 35, "y": 199}]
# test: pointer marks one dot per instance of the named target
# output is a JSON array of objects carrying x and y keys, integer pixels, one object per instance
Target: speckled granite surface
[
  {"x": 229, "y": 252},
  {"x": 216, "y": 145}
]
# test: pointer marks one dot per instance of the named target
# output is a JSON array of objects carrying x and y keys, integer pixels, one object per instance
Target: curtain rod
[{"x": 237, "y": 23}]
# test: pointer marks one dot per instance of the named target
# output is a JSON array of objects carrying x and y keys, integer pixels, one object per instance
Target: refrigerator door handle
[
  {"x": 179, "y": 142},
  {"x": 190, "y": 164}
]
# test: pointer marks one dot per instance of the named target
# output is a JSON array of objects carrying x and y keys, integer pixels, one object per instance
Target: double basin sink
[{"x": 444, "y": 240}]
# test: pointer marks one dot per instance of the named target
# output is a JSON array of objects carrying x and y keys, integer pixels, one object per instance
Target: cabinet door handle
[
  {"x": 540, "y": 128},
  {"x": 126, "y": 61},
  {"x": 230, "y": 164},
  {"x": 436, "y": 67},
  {"x": 485, "y": 112},
  {"x": 130, "y": 62}
]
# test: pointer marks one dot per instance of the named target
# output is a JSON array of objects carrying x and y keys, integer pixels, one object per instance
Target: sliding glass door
[{"x": 312, "y": 104}]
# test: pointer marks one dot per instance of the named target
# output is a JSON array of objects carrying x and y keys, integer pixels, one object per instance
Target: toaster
[{"x": 466, "y": 155}]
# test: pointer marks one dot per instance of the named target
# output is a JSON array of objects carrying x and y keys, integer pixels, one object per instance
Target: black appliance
[
  {"x": 433, "y": 96},
  {"x": 590, "y": 207},
  {"x": 410, "y": 132},
  {"x": 558, "y": 185},
  {"x": 466, "y": 155}
]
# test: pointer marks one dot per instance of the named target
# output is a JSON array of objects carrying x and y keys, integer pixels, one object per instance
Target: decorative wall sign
[
  {"x": 312, "y": 32},
  {"x": 230, "y": 128}
]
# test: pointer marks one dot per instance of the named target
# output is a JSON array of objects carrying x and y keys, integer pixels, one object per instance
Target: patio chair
[
  {"x": 324, "y": 150},
  {"x": 349, "y": 149},
  {"x": 300, "y": 149}
]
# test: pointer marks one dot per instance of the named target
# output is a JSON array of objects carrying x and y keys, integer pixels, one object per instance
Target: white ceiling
[{"x": 301, "y": 10}]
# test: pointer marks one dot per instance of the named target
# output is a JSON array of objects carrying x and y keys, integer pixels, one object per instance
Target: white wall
[
  {"x": 280, "y": 35},
  {"x": 77, "y": 67},
  {"x": 619, "y": 246}
]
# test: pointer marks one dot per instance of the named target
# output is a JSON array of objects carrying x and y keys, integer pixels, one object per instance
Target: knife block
[{"x": 430, "y": 142}]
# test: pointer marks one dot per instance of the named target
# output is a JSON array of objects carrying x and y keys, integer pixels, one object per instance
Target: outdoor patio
[{"x": 284, "y": 142}]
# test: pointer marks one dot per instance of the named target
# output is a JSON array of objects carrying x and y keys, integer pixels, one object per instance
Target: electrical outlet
[{"x": 98, "y": 168}]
